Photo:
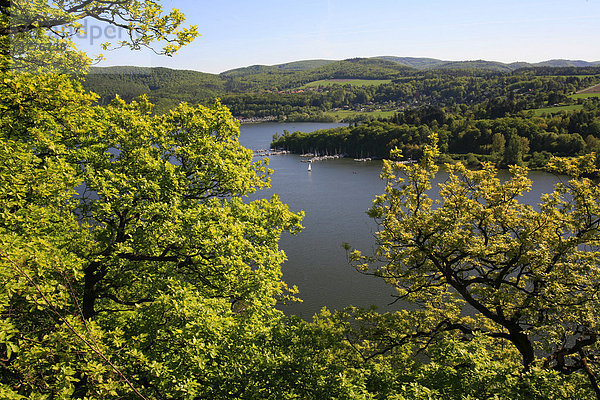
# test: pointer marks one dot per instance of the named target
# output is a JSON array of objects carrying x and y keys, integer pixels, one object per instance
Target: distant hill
[
  {"x": 566, "y": 63},
  {"x": 292, "y": 75},
  {"x": 121, "y": 70},
  {"x": 410, "y": 62},
  {"x": 518, "y": 65},
  {"x": 478, "y": 64},
  {"x": 162, "y": 83},
  {"x": 164, "y": 86},
  {"x": 366, "y": 68},
  {"x": 432, "y": 63},
  {"x": 334, "y": 66},
  {"x": 304, "y": 65},
  {"x": 418, "y": 63},
  {"x": 291, "y": 66},
  {"x": 167, "y": 87}
]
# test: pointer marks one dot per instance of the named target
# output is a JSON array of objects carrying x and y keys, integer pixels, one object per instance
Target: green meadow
[
  {"x": 341, "y": 114},
  {"x": 584, "y": 95},
  {"x": 552, "y": 110}
]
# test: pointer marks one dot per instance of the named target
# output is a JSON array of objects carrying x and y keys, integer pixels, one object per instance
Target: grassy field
[
  {"x": 551, "y": 110},
  {"x": 593, "y": 90},
  {"x": 584, "y": 95},
  {"x": 353, "y": 82},
  {"x": 339, "y": 115},
  {"x": 578, "y": 76}
]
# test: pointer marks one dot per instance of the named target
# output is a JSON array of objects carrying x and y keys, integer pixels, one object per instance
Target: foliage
[
  {"x": 163, "y": 86},
  {"x": 351, "y": 82},
  {"x": 399, "y": 359},
  {"x": 291, "y": 66},
  {"x": 35, "y": 35},
  {"x": 479, "y": 262},
  {"x": 130, "y": 263},
  {"x": 132, "y": 266}
]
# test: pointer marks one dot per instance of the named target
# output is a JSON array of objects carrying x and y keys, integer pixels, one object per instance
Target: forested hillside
[
  {"x": 518, "y": 118},
  {"x": 481, "y": 110},
  {"x": 280, "y": 93}
]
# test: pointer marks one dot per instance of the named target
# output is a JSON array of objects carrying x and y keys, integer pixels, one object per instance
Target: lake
[{"x": 335, "y": 196}]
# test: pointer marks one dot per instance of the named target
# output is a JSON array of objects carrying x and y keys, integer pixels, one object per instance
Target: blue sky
[{"x": 240, "y": 33}]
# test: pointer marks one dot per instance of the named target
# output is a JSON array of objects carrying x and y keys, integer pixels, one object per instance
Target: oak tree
[
  {"x": 37, "y": 35},
  {"x": 478, "y": 261},
  {"x": 129, "y": 259},
  {"x": 131, "y": 264}
]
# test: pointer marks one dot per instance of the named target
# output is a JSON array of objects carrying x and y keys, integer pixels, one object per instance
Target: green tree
[
  {"x": 592, "y": 143},
  {"x": 516, "y": 148},
  {"x": 128, "y": 259},
  {"x": 408, "y": 355},
  {"x": 36, "y": 35},
  {"x": 130, "y": 265},
  {"x": 498, "y": 143},
  {"x": 478, "y": 261}
]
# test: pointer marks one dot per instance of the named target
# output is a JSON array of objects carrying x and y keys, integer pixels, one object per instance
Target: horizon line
[{"x": 350, "y": 58}]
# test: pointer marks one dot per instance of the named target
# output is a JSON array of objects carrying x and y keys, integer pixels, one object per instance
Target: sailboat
[{"x": 310, "y": 166}]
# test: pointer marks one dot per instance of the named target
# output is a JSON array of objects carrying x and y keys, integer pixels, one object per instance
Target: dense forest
[{"x": 133, "y": 266}]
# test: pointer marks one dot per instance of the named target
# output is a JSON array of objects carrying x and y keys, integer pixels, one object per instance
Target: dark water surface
[{"x": 335, "y": 196}]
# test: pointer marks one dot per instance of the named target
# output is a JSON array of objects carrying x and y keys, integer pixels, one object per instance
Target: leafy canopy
[
  {"x": 36, "y": 35},
  {"x": 129, "y": 259},
  {"x": 479, "y": 261}
]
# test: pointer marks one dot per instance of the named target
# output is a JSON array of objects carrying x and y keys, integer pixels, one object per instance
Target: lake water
[{"x": 335, "y": 196}]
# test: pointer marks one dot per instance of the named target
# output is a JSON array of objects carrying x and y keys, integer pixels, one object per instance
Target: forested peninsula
[{"x": 471, "y": 137}]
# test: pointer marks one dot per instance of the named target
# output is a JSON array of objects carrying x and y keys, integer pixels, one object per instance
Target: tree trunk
[
  {"x": 522, "y": 343},
  {"x": 93, "y": 275},
  {"x": 591, "y": 375}
]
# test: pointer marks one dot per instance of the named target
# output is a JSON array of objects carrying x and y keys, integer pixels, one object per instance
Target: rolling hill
[
  {"x": 167, "y": 87},
  {"x": 291, "y": 66},
  {"x": 432, "y": 63}
]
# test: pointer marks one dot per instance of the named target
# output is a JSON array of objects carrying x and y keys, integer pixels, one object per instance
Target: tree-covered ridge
[
  {"x": 164, "y": 87},
  {"x": 277, "y": 95},
  {"x": 252, "y": 79},
  {"x": 359, "y": 68},
  {"x": 433, "y": 63},
  {"x": 291, "y": 66}
]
